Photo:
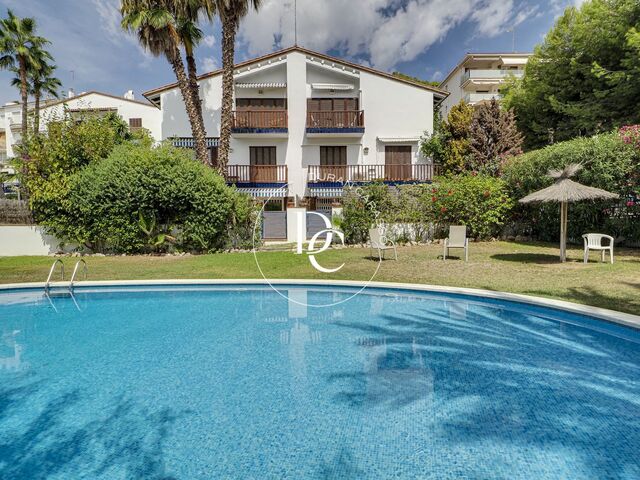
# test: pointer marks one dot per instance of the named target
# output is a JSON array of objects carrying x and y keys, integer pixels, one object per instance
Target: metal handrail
[
  {"x": 53, "y": 268},
  {"x": 75, "y": 270}
]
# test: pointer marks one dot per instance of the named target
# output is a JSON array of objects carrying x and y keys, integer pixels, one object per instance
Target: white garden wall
[{"x": 18, "y": 240}]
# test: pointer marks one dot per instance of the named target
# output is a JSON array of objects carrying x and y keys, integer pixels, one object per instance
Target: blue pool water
[{"x": 213, "y": 382}]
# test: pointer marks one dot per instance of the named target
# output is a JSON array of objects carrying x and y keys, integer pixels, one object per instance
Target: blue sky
[{"x": 424, "y": 38}]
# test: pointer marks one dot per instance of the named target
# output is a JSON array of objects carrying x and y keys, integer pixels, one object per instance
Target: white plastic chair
[
  {"x": 379, "y": 242},
  {"x": 457, "y": 239},
  {"x": 593, "y": 241}
]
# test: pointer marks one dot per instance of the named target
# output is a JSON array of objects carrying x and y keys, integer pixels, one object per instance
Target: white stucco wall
[
  {"x": 150, "y": 115},
  {"x": 18, "y": 240},
  {"x": 392, "y": 109}
]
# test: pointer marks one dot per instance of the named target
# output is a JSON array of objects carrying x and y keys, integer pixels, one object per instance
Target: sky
[{"x": 423, "y": 38}]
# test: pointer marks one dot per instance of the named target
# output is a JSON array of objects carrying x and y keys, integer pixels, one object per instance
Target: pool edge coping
[{"x": 621, "y": 318}]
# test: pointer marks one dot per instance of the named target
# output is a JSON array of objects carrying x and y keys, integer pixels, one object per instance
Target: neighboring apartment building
[
  {"x": 305, "y": 123},
  {"x": 478, "y": 77},
  {"x": 137, "y": 114}
]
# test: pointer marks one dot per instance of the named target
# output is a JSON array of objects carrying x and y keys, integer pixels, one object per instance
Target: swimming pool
[{"x": 200, "y": 382}]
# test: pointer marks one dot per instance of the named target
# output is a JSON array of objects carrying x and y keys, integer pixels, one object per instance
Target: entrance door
[
  {"x": 397, "y": 159},
  {"x": 263, "y": 164},
  {"x": 333, "y": 164}
]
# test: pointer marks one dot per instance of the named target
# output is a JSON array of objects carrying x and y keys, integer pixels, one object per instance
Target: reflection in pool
[{"x": 213, "y": 382}]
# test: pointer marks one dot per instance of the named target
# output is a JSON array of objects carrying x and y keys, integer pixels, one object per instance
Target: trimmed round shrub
[{"x": 143, "y": 199}]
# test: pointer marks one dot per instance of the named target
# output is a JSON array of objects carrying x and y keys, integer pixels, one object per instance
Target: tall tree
[
  {"x": 157, "y": 24},
  {"x": 231, "y": 13},
  {"x": 585, "y": 76},
  {"x": 43, "y": 82},
  {"x": 21, "y": 49},
  {"x": 494, "y": 138}
]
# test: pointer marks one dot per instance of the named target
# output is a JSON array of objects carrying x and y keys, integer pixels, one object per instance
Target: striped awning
[
  {"x": 262, "y": 85},
  {"x": 187, "y": 142},
  {"x": 265, "y": 192},
  {"x": 325, "y": 192},
  {"x": 332, "y": 86}
]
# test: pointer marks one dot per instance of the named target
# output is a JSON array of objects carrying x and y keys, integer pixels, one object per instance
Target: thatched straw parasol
[{"x": 565, "y": 190}]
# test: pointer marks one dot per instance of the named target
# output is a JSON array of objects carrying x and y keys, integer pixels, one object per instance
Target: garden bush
[
  {"x": 480, "y": 202},
  {"x": 143, "y": 199},
  {"x": 610, "y": 161}
]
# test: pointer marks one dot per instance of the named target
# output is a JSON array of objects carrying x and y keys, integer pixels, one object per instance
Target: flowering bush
[
  {"x": 630, "y": 135},
  {"x": 480, "y": 202}
]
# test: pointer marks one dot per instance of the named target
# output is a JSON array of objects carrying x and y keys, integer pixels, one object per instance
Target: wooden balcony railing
[
  {"x": 260, "y": 119},
  {"x": 257, "y": 174},
  {"x": 336, "y": 119},
  {"x": 371, "y": 173}
]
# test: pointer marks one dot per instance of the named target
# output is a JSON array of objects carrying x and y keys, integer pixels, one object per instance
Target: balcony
[
  {"x": 254, "y": 174},
  {"x": 262, "y": 122},
  {"x": 389, "y": 173},
  {"x": 473, "y": 98},
  {"x": 337, "y": 122},
  {"x": 489, "y": 76}
]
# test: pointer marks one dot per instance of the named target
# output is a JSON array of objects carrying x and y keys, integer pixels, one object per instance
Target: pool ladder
[{"x": 69, "y": 292}]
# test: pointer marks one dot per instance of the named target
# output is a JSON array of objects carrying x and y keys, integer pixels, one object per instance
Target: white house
[
  {"x": 478, "y": 77},
  {"x": 137, "y": 114},
  {"x": 305, "y": 123}
]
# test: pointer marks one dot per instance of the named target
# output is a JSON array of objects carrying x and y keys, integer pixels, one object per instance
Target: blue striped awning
[
  {"x": 265, "y": 192},
  {"x": 325, "y": 192},
  {"x": 187, "y": 142}
]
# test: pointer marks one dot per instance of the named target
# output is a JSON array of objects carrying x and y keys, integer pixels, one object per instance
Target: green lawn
[{"x": 512, "y": 267}]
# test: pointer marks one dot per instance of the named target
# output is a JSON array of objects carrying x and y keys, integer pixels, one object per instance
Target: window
[
  {"x": 261, "y": 104},
  {"x": 262, "y": 155},
  {"x": 332, "y": 104},
  {"x": 333, "y": 155},
  {"x": 135, "y": 124}
]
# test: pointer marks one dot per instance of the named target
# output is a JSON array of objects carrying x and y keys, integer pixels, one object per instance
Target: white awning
[
  {"x": 326, "y": 192},
  {"x": 262, "y": 85},
  {"x": 514, "y": 61},
  {"x": 398, "y": 139},
  {"x": 258, "y": 192},
  {"x": 332, "y": 86}
]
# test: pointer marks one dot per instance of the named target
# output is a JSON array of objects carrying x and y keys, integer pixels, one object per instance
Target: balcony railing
[
  {"x": 259, "y": 119},
  {"x": 489, "y": 74},
  {"x": 257, "y": 174},
  {"x": 481, "y": 97},
  {"x": 336, "y": 119},
  {"x": 370, "y": 173}
]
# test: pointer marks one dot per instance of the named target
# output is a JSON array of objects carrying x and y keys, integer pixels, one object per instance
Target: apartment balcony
[
  {"x": 257, "y": 174},
  {"x": 260, "y": 123},
  {"x": 335, "y": 123},
  {"x": 475, "y": 98},
  {"x": 485, "y": 77},
  {"x": 356, "y": 174}
]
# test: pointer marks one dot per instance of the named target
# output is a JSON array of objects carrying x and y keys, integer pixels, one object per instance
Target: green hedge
[
  {"x": 608, "y": 163},
  {"x": 143, "y": 199},
  {"x": 480, "y": 202}
]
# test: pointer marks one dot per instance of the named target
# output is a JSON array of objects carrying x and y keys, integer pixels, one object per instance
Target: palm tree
[
  {"x": 157, "y": 24},
  {"x": 21, "y": 49},
  {"x": 231, "y": 13},
  {"x": 41, "y": 82}
]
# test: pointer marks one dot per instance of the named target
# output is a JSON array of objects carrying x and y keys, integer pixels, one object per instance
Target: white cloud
[
  {"x": 209, "y": 64},
  {"x": 385, "y": 31},
  {"x": 209, "y": 40}
]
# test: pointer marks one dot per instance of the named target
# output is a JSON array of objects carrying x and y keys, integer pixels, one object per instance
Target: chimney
[
  {"x": 129, "y": 95},
  {"x": 71, "y": 93}
]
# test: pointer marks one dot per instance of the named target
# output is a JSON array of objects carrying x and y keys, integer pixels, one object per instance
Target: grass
[{"x": 531, "y": 269}]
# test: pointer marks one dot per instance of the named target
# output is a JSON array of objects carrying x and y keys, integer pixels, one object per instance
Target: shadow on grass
[
  {"x": 540, "y": 258},
  {"x": 592, "y": 296}
]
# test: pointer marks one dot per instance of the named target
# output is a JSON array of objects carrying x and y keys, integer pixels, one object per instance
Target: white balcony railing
[
  {"x": 472, "y": 98},
  {"x": 489, "y": 75}
]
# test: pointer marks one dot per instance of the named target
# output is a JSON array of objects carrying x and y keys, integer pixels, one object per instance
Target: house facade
[
  {"x": 478, "y": 77},
  {"x": 306, "y": 124},
  {"x": 137, "y": 114}
]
